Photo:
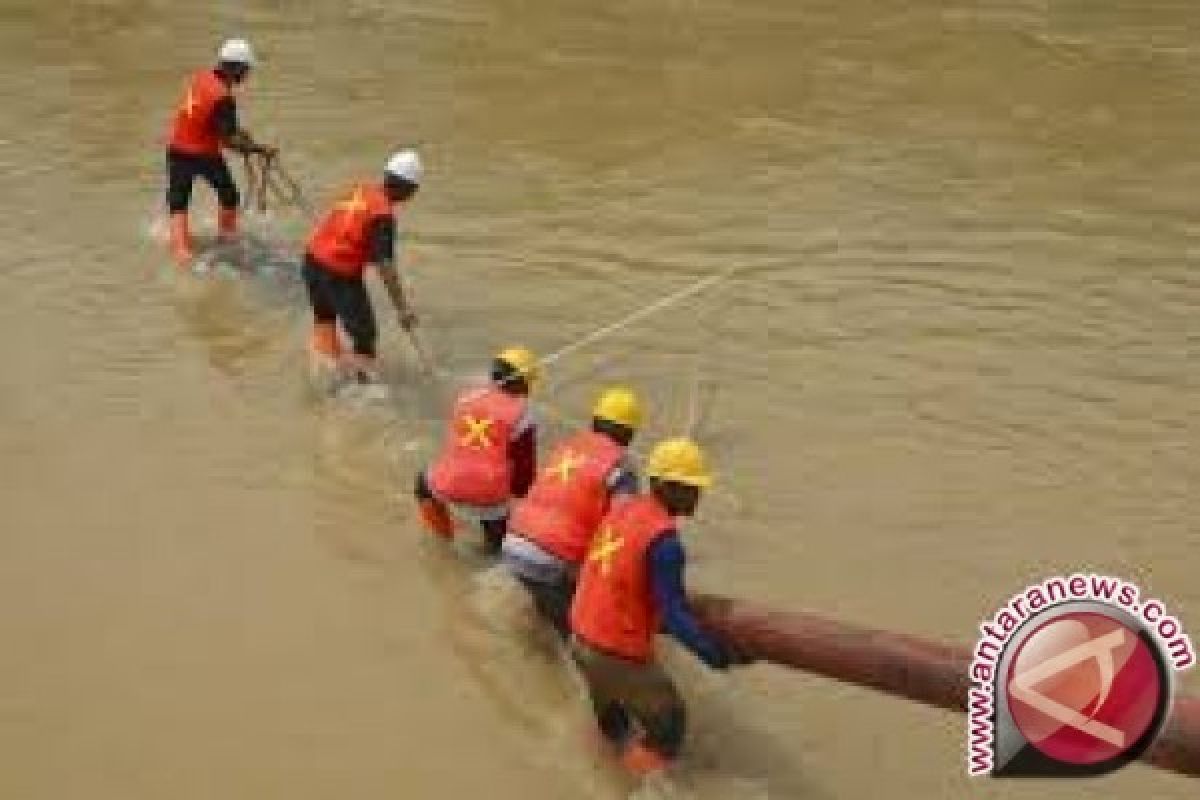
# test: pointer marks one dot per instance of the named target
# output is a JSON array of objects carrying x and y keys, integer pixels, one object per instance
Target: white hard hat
[
  {"x": 237, "y": 51},
  {"x": 406, "y": 165}
]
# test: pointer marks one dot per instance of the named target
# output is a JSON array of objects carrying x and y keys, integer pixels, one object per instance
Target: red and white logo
[
  {"x": 1072, "y": 677},
  {"x": 1083, "y": 688}
]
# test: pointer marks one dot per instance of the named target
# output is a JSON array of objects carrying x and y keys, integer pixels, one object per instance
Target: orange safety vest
[
  {"x": 473, "y": 468},
  {"x": 341, "y": 240},
  {"x": 614, "y": 610},
  {"x": 193, "y": 129},
  {"x": 570, "y": 497}
]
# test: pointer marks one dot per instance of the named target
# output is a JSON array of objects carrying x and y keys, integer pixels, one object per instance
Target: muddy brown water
[{"x": 960, "y": 355}]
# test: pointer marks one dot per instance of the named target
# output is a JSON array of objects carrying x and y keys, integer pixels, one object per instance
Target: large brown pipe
[{"x": 927, "y": 672}]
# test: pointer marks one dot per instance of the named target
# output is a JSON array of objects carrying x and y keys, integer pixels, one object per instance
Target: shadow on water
[
  {"x": 234, "y": 335},
  {"x": 239, "y": 301}
]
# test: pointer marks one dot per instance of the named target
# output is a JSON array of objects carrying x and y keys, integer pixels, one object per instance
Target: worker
[
  {"x": 205, "y": 121},
  {"x": 359, "y": 231},
  {"x": 552, "y": 526},
  {"x": 488, "y": 454},
  {"x": 630, "y": 584}
]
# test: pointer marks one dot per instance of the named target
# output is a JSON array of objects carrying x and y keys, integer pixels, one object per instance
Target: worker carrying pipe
[{"x": 630, "y": 587}]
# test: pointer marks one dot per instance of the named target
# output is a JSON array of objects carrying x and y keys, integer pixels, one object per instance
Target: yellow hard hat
[
  {"x": 619, "y": 405},
  {"x": 680, "y": 460},
  {"x": 523, "y": 362}
]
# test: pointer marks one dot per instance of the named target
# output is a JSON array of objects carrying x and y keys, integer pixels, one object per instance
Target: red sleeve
[{"x": 523, "y": 457}]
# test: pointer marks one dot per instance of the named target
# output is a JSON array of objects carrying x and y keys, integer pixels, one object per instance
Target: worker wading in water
[
  {"x": 551, "y": 528},
  {"x": 204, "y": 122},
  {"x": 631, "y": 585},
  {"x": 488, "y": 454},
  {"x": 360, "y": 230}
]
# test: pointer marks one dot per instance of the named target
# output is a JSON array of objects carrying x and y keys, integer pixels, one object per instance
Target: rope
[
  {"x": 274, "y": 169},
  {"x": 698, "y": 399},
  {"x": 256, "y": 194},
  {"x": 266, "y": 176},
  {"x": 423, "y": 354},
  {"x": 641, "y": 313}
]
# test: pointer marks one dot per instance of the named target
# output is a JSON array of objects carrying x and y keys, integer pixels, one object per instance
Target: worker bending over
[
  {"x": 359, "y": 231},
  {"x": 553, "y": 525},
  {"x": 488, "y": 453}
]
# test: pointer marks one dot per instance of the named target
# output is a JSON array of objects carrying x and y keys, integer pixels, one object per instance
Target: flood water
[{"x": 959, "y": 354}]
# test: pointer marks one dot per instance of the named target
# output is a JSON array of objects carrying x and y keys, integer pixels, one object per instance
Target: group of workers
[
  {"x": 602, "y": 558},
  {"x": 358, "y": 232},
  {"x": 600, "y": 555}
]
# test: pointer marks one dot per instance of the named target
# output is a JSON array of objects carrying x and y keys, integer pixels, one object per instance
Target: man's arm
[
  {"x": 522, "y": 454},
  {"x": 236, "y": 139},
  {"x": 667, "y": 562},
  {"x": 382, "y": 237},
  {"x": 622, "y": 481}
]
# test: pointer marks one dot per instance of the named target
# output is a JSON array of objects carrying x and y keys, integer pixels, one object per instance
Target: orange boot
[
  {"x": 324, "y": 341},
  {"x": 437, "y": 520},
  {"x": 641, "y": 760},
  {"x": 227, "y": 225},
  {"x": 324, "y": 350},
  {"x": 181, "y": 239}
]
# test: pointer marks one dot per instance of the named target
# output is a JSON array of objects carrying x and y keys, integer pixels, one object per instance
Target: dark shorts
[
  {"x": 182, "y": 171},
  {"x": 553, "y": 602},
  {"x": 337, "y": 298},
  {"x": 549, "y": 579},
  {"x": 495, "y": 528},
  {"x": 625, "y": 692}
]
